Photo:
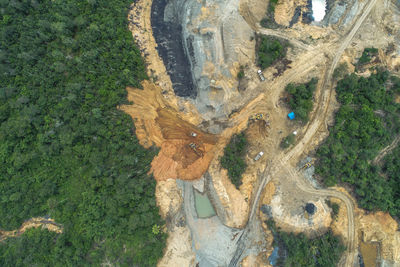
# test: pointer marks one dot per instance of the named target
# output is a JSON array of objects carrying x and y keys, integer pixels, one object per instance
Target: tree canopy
[
  {"x": 367, "y": 121},
  {"x": 301, "y": 251},
  {"x": 233, "y": 159},
  {"x": 301, "y": 98},
  {"x": 270, "y": 50},
  {"x": 66, "y": 150}
]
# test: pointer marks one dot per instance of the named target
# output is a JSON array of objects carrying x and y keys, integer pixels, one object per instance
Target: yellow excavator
[
  {"x": 196, "y": 149},
  {"x": 257, "y": 117},
  {"x": 307, "y": 165}
]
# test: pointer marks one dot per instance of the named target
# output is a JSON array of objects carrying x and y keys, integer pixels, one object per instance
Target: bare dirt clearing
[{"x": 159, "y": 123}]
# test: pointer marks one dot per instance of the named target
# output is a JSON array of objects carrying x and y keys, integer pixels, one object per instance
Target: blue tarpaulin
[{"x": 291, "y": 115}]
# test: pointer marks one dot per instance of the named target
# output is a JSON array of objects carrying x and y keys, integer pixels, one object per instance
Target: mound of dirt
[
  {"x": 177, "y": 160},
  {"x": 157, "y": 123}
]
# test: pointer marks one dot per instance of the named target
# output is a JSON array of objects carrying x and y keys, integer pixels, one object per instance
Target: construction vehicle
[
  {"x": 193, "y": 134},
  {"x": 257, "y": 117},
  {"x": 196, "y": 149},
  {"x": 307, "y": 165},
  {"x": 260, "y": 74},
  {"x": 259, "y": 155}
]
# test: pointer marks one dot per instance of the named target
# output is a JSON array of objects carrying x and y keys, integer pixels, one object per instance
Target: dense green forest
[
  {"x": 66, "y": 150},
  {"x": 298, "y": 250},
  {"x": 233, "y": 158},
  {"x": 36, "y": 247},
  {"x": 391, "y": 169},
  {"x": 270, "y": 50},
  {"x": 367, "y": 121},
  {"x": 300, "y": 98}
]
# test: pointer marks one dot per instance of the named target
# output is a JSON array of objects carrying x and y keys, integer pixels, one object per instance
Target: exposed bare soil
[
  {"x": 36, "y": 222},
  {"x": 158, "y": 123}
]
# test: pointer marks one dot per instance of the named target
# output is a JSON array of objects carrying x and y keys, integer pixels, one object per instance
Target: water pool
[
  {"x": 318, "y": 9},
  {"x": 203, "y": 205}
]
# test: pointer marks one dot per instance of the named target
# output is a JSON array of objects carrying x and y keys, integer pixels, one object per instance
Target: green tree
[
  {"x": 300, "y": 98},
  {"x": 270, "y": 50},
  {"x": 66, "y": 150},
  {"x": 233, "y": 158}
]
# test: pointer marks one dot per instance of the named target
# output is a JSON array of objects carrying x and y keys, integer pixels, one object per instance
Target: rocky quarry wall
[{"x": 201, "y": 44}]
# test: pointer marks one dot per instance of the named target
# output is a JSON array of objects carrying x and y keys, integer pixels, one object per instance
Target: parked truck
[{"x": 262, "y": 78}]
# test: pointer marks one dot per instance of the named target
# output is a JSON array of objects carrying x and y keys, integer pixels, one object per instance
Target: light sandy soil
[
  {"x": 179, "y": 249},
  {"x": 284, "y": 11},
  {"x": 253, "y": 260},
  {"x": 140, "y": 26},
  {"x": 36, "y": 222}
]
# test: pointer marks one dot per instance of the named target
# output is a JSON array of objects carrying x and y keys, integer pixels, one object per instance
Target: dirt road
[
  {"x": 35, "y": 222},
  {"x": 316, "y": 122},
  {"x": 386, "y": 150}
]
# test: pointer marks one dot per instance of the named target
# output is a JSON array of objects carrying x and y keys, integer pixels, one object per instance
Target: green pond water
[{"x": 203, "y": 205}]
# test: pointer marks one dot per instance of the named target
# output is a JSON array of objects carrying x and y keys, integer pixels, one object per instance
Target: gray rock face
[
  {"x": 167, "y": 32},
  {"x": 341, "y": 12},
  {"x": 214, "y": 38}
]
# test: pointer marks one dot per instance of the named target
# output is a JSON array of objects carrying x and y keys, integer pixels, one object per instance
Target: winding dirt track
[
  {"x": 316, "y": 122},
  {"x": 386, "y": 150}
]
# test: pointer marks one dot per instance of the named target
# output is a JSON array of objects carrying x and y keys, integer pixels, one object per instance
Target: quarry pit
[{"x": 193, "y": 87}]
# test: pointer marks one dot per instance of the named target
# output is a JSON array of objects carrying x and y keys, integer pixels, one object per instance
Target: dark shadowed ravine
[{"x": 168, "y": 35}]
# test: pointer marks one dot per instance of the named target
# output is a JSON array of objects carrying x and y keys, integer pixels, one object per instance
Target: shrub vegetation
[
  {"x": 233, "y": 159},
  {"x": 367, "y": 55},
  {"x": 270, "y": 50},
  {"x": 301, "y": 98},
  {"x": 288, "y": 141},
  {"x": 66, "y": 150},
  {"x": 269, "y": 20},
  {"x": 240, "y": 74}
]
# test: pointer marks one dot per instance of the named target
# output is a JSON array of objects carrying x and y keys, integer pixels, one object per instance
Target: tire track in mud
[
  {"x": 301, "y": 68},
  {"x": 306, "y": 187}
]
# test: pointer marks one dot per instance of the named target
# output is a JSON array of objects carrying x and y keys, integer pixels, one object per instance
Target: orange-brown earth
[
  {"x": 36, "y": 222},
  {"x": 158, "y": 123}
]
